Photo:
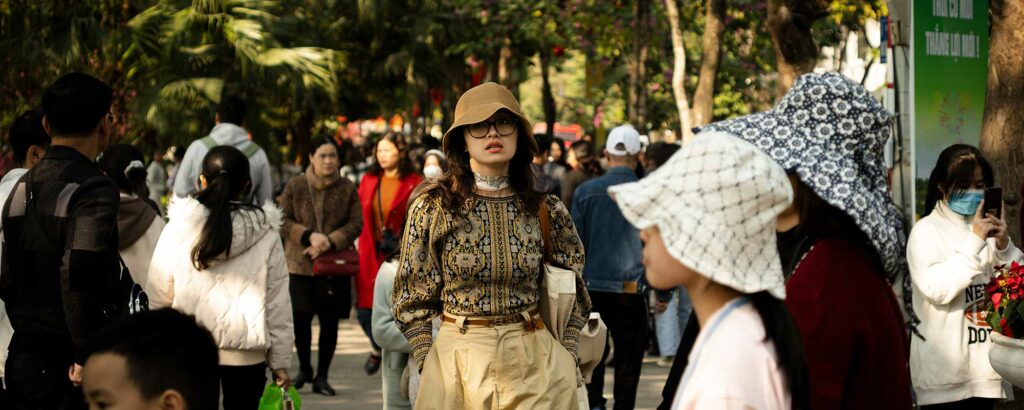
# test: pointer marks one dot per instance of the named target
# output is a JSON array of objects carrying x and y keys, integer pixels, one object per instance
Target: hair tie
[
  {"x": 222, "y": 172},
  {"x": 132, "y": 165}
]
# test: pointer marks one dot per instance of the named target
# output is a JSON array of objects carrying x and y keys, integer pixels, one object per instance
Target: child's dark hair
[
  {"x": 954, "y": 171},
  {"x": 782, "y": 332},
  {"x": 27, "y": 131},
  {"x": 165, "y": 350},
  {"x": 124, "y": 165},
  {"x": 226, "y": 172}
]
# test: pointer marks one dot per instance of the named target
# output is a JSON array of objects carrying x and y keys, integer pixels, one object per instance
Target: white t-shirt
[{"x": 733, "y": 367}]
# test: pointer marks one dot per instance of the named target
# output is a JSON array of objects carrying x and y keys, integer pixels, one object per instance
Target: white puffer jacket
[{"x": 242, "y": 299}]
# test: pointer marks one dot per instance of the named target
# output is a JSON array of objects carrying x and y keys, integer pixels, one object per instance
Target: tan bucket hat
[{"x": 481, "y": 102}]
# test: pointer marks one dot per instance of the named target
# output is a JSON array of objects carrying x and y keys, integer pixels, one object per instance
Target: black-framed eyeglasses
[{"x": 504, "y": 127}]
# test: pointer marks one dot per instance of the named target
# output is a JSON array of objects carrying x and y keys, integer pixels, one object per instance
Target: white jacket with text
[
  {"x": 242, "y": 299},
  {"x": 949, "y": 267}
]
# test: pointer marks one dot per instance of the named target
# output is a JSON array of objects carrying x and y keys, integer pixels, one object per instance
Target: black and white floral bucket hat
[{"x": 832, "y": 133}]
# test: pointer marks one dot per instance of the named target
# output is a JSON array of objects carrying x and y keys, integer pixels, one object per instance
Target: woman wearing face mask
[
  {"x": 435, "y": 163},
  {"x": 321, "y": 214},
  {"x": 383, "y": 195},
  {"x": 472, "y": 253},
  {"x": 951, "y": 253}
]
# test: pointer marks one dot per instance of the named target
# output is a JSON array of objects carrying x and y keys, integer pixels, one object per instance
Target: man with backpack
[
  {"x": 228, "y": 131},
  {"x": 60, "y": 273}
]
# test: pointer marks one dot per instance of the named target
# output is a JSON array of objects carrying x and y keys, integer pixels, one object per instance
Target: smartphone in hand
[{"x": 994, "y": 202}]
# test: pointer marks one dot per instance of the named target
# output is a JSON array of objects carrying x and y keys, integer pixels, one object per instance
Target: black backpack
[{"x": 122, "y": 297}]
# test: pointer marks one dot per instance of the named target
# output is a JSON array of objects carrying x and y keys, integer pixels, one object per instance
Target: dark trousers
[
  {"x": 365, "y": 317},
  {"x": 40, "y": 381},
  {"x": 974, "y": 403},
  {"x": 243, "y": 386},
  {"x": 304, "y": 338},
  {"x": 328, "y": 299},
  {"x": 626, "y": 317}
]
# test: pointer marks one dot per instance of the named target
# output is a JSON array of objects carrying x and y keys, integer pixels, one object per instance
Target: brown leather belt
[{"x": 536, "y": 323}]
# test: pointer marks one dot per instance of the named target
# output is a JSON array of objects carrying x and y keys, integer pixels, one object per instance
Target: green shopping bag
[{"x": 275, "y": 399}]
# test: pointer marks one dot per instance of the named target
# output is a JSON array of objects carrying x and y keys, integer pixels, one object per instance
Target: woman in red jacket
[
  {"x": 842, "y": 238},
  {"x": 383, "y": 194}
]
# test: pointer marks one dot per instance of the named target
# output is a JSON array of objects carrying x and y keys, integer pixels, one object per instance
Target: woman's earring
[{"x": 202, "y": 182}]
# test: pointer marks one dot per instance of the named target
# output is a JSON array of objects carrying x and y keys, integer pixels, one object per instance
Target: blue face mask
[{"x": 966, "y": 202}]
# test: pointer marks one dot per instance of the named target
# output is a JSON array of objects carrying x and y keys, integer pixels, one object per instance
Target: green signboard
[{"x": 949, "y": 72}]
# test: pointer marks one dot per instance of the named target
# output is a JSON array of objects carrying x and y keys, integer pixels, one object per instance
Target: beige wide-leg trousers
[{"x": 503, "y": 367}]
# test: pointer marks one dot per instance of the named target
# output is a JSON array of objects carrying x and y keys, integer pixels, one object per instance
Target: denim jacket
[{"x": 612, "y": 244}]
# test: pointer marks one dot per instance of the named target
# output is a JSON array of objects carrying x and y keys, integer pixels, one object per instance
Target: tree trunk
[
  {"x": 1002, "y": 128},
  {"x": 679, "y": 71},
  {"x": 637, "y": 95},
  {"x": 301, "y": 137},
  {"x": 789, "y": 23},
  {"x": 550, "y": 111},
  {"x": 704, "y": 97}
]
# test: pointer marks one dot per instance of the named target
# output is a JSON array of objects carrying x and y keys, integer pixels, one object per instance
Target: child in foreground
[{"x": 707, "y": 219}]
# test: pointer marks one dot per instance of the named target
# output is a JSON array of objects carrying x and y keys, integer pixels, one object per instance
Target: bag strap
[
  {"x": 545, "y": 228},
  {"x": 316, "y": 216},
  {"x": 209, "y": 142},
  {"x": 249, "y": 149}
]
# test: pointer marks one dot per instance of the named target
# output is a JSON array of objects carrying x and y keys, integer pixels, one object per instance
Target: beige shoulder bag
[{"x": 558, "y": 297}]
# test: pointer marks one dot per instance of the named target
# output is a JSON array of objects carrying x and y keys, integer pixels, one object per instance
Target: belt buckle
[{"x": 530, "y": 326}]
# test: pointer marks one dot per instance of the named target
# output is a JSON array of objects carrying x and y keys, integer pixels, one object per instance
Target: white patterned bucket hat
[{"x": 716, "y": 202}]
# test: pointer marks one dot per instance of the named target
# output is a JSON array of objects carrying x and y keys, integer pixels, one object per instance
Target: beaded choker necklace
[{"x": 490, "y": 182}]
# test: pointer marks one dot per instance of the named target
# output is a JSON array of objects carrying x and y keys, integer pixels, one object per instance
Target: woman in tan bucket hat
[{"x": 472, "y": 252}]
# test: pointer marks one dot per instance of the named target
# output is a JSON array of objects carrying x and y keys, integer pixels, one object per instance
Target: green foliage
[{"x": 170, "y": 61}]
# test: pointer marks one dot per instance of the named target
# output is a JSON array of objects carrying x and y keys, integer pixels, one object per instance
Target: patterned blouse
[{"x": 485, "y": 260}]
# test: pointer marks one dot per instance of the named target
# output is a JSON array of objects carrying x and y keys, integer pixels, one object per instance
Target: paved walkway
[{"x": 357, "y": 391}]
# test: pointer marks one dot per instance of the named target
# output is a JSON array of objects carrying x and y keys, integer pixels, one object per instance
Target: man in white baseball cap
[
  {"x": 614, "y": 270},
  {"x": 624, "y": 140}
]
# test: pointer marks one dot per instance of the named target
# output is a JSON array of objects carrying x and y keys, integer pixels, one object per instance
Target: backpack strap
[
  {"x": 249, "y": 149},
  {"x": 209, "y": 142}
]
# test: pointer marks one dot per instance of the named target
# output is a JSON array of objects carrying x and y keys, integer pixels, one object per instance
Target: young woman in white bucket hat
[
  {"x": 708, "y": 220},
  {"x": 472, "y": 253}
]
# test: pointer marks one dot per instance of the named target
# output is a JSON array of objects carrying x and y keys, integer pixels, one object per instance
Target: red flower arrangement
[{"x": 1006, "y": 300}]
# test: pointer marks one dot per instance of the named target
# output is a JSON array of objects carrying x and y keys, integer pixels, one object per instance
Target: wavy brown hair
[
  {"x": 457, "y": 184},
  {"x": 405, "y": 165}
]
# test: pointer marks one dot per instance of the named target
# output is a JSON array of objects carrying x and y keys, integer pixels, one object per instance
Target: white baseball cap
[{"x": 623, "y": 140}]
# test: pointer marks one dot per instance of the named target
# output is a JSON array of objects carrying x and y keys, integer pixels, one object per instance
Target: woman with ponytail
[
  {"x": 716, "y": 237},
  {"x": 138, "y": 220},
  {"x": 585, "y": 166},
  {"x": 221, "y": 259}
]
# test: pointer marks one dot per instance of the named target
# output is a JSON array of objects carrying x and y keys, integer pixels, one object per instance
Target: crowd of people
[{"x": 767, "y": 253}]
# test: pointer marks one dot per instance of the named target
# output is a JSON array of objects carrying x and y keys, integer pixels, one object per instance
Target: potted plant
[{"x": 1005, "y": 314}]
